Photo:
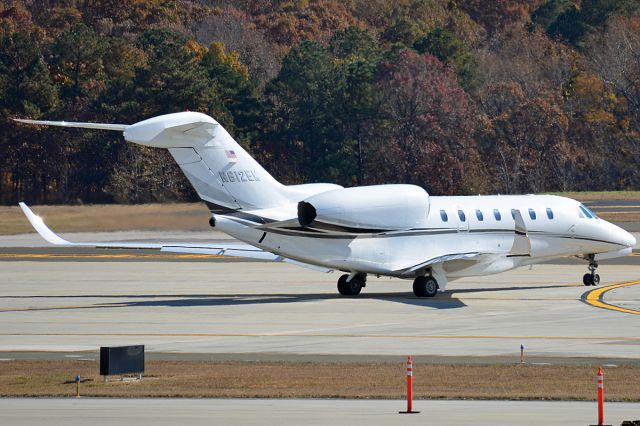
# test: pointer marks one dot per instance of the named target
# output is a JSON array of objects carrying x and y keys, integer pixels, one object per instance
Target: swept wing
[{"x": 235, "y": 250}]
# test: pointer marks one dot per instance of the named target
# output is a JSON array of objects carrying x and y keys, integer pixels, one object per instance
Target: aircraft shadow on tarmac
[
  {"x": 261, "y": 299},
  {"x": 446, "y": 300},
  {"x": 442, "y": 301}
]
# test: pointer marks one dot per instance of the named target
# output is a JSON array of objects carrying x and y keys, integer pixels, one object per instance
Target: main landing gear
[
  {"x": 591, "y": 278},
  {"x": 351, "y": 287},
  {"x": 425, "y": 286},
  {"x": 422, "y": 286}
]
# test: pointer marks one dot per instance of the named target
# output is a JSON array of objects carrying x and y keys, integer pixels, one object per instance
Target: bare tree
[
  {"x": 531, "y": 59},
  {"x": 524, "y": 140},
  {"x": 615, "y": 56},
  {"x": 239, "y": 35}
]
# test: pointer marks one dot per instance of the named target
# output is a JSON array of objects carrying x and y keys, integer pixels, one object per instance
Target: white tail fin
[{"x": 220, "y": 170}]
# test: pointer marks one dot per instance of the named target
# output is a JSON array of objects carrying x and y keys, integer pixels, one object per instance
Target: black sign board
[{"x": 121, "y": 360}]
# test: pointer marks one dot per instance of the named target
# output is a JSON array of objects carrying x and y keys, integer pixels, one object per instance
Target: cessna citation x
[{"x": 385, "y": 230}]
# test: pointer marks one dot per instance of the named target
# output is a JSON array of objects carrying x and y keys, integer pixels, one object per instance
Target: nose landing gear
[{"x": 591, "y": 278}]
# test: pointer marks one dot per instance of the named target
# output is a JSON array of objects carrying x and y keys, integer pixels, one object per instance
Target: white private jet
[{"x": 385, "y": 230}]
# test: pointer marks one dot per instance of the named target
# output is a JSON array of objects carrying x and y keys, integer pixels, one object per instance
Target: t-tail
[{"x": 224, "y": 175}]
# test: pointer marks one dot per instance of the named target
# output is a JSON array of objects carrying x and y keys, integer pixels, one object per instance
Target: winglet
[{"x": 42, "y": 229}]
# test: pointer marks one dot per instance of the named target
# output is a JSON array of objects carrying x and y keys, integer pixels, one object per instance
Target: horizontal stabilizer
[{"x": 98, "y": 126}]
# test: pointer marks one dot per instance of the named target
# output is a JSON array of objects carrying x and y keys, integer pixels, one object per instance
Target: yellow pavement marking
[
  {"x": 334, "y": 335},
  {"x": 60, "y": 308},
  {"x": 596, "y": 208},
  {"x": 107, "y": 256},
  {"x": 596, "y": 298},
  {"x": 604, "y": 213}
]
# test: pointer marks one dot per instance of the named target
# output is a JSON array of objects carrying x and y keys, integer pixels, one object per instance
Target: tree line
[{"x": 457, "y": 96}]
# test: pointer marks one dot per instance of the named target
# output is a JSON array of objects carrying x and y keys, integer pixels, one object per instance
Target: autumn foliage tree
[
  {"x": 527, "y": 137},
  {"x": 459, "y": 97},
  {"x": 424, "y": 131}
]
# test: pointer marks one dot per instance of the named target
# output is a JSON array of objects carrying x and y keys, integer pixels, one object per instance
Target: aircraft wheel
[
  {"x": 425, "y": 287},
  {"x": 591, "y": 279},
  {"x": 351, "y": 288}
]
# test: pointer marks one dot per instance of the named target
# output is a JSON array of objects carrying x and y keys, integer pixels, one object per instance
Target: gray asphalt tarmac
[
  {"x": 75, "y": 299},
  {"x": 267, "y": 308},
  {"x": 294, "y": 412}
]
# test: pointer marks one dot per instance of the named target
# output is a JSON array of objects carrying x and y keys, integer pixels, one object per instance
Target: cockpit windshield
[{"x": 587, "y": 212}]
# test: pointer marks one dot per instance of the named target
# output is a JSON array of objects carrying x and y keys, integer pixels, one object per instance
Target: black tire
[
  {"x": 351, "y": 288},
  {"x": 425, "y": 287},
  {"x": 586, "y": 280},
  {"x": 595, "y": 280}
]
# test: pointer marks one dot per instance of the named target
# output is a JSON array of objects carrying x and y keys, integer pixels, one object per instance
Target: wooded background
[{"x": 458, "y": 96}]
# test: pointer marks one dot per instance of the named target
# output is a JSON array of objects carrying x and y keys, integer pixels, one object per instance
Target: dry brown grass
[
  {"x": 620, "y": 216},
  {"x": 320, "y": 380},
  {"x": 600, "y": 195},
  {"x": 109, "y": 217}
]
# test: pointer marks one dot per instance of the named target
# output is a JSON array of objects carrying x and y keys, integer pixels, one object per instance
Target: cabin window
[
  {"x": 479, "y": 215},
  {"x": 532, "y": 214},
  {"x": 549, "y": 213},
  {"x": 443, "y": 216},
  {"x": 497, "y": 215},
  {"x": 588, "y": 213},
  {"x": 462, "y": 216}
]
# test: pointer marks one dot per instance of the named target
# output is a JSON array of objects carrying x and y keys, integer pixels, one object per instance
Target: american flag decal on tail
[{"x": 231, "y": 156}]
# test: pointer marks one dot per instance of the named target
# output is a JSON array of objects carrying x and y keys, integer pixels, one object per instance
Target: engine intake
[{"x": 306, "y": 213}]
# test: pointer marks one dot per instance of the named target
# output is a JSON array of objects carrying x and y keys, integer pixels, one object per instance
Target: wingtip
[
  {"x": 25, "y": 209},
  {"x": 43, "y": 230}
]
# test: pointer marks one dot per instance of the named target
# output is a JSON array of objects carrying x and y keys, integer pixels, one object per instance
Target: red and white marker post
[
  {"x": 600, "y": 396},
  {"x": 409, "y": 388},
  {"x": 600, "y": 387}
]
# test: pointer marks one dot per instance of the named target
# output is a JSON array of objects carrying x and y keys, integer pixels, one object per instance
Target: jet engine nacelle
[{"x": 379, "y": 207}]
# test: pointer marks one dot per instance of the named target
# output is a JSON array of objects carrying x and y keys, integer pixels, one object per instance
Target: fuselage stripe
[{"x": 315, "y": 233}]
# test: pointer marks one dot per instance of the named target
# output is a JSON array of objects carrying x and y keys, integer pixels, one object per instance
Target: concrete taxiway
[
  {"x": 294, "y": 412},
  {"x": 257, "y": 308}
]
